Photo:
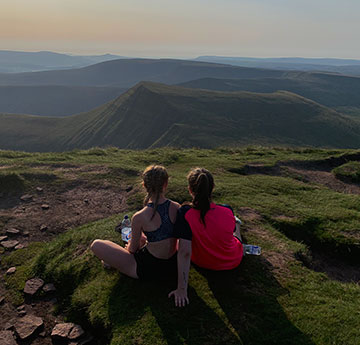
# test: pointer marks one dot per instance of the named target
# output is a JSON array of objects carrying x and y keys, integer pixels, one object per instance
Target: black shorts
[{"x": 149, "y": 267}]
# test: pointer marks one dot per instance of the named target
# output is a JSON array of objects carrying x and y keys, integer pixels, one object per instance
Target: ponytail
[{"x": 201, "y": 184}]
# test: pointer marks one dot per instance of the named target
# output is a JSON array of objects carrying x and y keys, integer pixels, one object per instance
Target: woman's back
[
  {"x": 159, "y": 228},
  {"x": 213, "y": 243}
]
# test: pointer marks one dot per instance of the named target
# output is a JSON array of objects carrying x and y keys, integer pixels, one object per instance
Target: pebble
[
  {"x": 33, "y": 285},
  {"x": 26, "y": 233},
  {"x": 20, "y": 246},
  {"x": 26, "y": 197},
  {"x": 49, "y": 287},
  {"x": 45, "y": 206},
  {"x": 22, "y": 312},
  {"x": 10, "y": 244},
  {"x": 27, "y": 326},
  {"x": 39, "y": 189},
  {"x": 13, "y": 231},
  {"x": 43, "y": 228},
  {"x": 21, "y": 307},
  {"x": 11, "y": 270}
]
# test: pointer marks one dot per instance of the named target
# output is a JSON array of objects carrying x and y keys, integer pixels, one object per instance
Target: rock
[
  {"x": 62, "y": 330},
  {"x": 43, "y": 228},
  {"x": 45, "y": 206},
  {"x": 76, "y": 332},
  {"x": 49, "y": 287},
  {"x": 2, "y": 299},
  {"x": 42, "y": 334},
  {"x": 27, "y": 326},
  {"x": 13, "y": 231},
  {"x": 11, "y": 270},
  {"x": 7, "y": 338},
  {"x": 3, "y": 238},
  {"x": 39, "y": 189},
  {"x": 20, "y": 246},
  {"x": 9, "y": 325},
  {"x": 26, "y": 233},
  {"x": 10, "y": 244},
  {"x": 22, "y": 312},
  {"x": 86, "y": 201},
  {"x": 32, "y": 286},
  {"x": 26, "y": 197},
  {"x": 21, "y": 307}
]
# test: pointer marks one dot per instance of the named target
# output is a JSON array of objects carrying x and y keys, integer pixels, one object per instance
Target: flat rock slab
[
  {"x": 12, "y": 231},
  {"x": 43, "y": 228},
  {"x": 26, "y": 197},
  {"x": 11, "y": 270},
  {"x": 39, "y": 189},
  {"x": 20, "y": 246},
  {"x": 62, "y": 330},
  {"x": 32, "y": 286},
  {"x": 3, "y": 238},
  {"x": 26, "y": 326},
  {"x": 76, "y": 332},
  {"x": 10, "y": 244},
  {"x": 7, "y": 338},
  {"x": 49, "y": 287},
  {"x": 45, "y": 206}
]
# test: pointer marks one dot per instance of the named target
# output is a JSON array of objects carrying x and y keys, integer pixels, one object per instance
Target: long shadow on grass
[
  {"x": 142, "y": 310},
  {"x": 248, "y": 296}
]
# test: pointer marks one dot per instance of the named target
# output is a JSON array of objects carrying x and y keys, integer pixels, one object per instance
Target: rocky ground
[{"x": 42, "y": 213}]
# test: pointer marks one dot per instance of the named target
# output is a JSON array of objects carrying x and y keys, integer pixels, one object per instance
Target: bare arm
[
  {"x": 183, "y": 260},
  {"x": 136, "y": 234}
]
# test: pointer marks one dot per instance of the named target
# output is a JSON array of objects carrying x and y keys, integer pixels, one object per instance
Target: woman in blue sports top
[{"x": 157, "y": 258}]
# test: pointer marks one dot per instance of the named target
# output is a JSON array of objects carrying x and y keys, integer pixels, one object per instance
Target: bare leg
[{"x": 115, "y": 256}]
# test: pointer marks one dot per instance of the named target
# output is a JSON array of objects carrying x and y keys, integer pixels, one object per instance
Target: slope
[
  {"x": 154, "y": 115},
  {"x": 328, "y": 89},
  {"x": 128, "y": 72}
]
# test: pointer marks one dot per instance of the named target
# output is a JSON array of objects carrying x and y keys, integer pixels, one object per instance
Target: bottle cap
[{"x": 126, "y": 216}]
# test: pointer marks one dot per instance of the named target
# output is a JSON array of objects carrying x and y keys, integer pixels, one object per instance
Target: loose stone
[
  {"x": 76, "y": 332},
  {"x": 32, "y": 286},
  {"x": 10, "y": 244},
  {"x": 43, "y": 228},
  {"x": 49, "y": 287},
  {"x": 27, "y": 326},
  {"x": 45, "y": 206},
  {"x": 26, "y": 233},
  {"x": 2, "y": 299},
  {"x": 3, "y": 238},
  {"x": 39, "y": 189},
  {"x": 11, "y": 270},
  {"x": 26, "y": 197},
  {"x": 7, "y": 338},
  {"x": 13, "y": 231},
  {"x": 62, "y": 330}
]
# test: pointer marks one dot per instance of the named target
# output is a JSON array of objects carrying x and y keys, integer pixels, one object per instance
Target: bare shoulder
[
  {"x": 139, "y": 216},
  {"x": 175, "y": 204}
]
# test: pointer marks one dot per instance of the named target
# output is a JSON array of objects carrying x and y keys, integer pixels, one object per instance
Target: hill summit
[{"x": 156, "y": 115}]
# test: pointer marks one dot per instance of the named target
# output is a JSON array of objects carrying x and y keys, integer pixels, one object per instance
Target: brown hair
[
  {"x": 154, "y": 177},
  {"x": 201, "y": 184}
]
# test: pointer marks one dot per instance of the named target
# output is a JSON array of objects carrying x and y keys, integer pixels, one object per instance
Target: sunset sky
[{"x": 187, "y": 28}]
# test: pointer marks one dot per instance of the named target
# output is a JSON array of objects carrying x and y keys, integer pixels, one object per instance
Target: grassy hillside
[
  {"x": 155, "y": 115},
  {"x": 54, "y": 100},
  {"x": 302, "y": 287},
  {"x": 128, "y": 72},
  {"x": 328, "y": 89}
]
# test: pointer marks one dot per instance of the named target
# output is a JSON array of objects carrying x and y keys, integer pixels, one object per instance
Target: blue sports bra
[{"x": 166, "y": 229}]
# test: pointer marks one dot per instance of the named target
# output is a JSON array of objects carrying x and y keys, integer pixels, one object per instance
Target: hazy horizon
[{"x": 162, "y": 28}]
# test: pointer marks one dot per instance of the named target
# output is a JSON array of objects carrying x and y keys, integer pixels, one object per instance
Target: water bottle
[
  {"x": 250, "y": 249},
  {"x": 126, "y": 229}
]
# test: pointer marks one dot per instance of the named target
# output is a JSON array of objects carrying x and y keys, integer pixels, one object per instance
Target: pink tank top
[{"x": 214, "y": 246}]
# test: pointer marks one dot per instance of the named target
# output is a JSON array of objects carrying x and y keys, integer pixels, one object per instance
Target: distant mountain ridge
[
  {"x": 156, "y": 115},
  {"x": 128, "y": 72},
  {"x": 19, "y": 61}
]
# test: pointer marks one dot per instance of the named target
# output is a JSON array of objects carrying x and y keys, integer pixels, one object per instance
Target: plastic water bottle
[
  {"x": 250, "y": 249},
  {"x": 126, "y": 229}
]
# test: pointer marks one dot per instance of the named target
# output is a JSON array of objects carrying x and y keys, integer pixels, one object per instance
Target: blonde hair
[{"x": 154, "y": 178}]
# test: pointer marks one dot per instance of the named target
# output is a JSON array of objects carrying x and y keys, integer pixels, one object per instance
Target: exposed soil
[{"x": 70, "y": 204}]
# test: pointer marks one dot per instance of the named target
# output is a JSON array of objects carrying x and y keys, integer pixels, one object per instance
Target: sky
[{"x": 183, "y": 29}]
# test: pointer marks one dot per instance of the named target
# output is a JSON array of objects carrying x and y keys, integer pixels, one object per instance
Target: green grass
[
  {"x": 258, "y": 303},
  {"x": 349, "y": 171}
]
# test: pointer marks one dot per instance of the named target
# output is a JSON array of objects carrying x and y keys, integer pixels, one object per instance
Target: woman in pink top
[{"x": 206, "y": 232}]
